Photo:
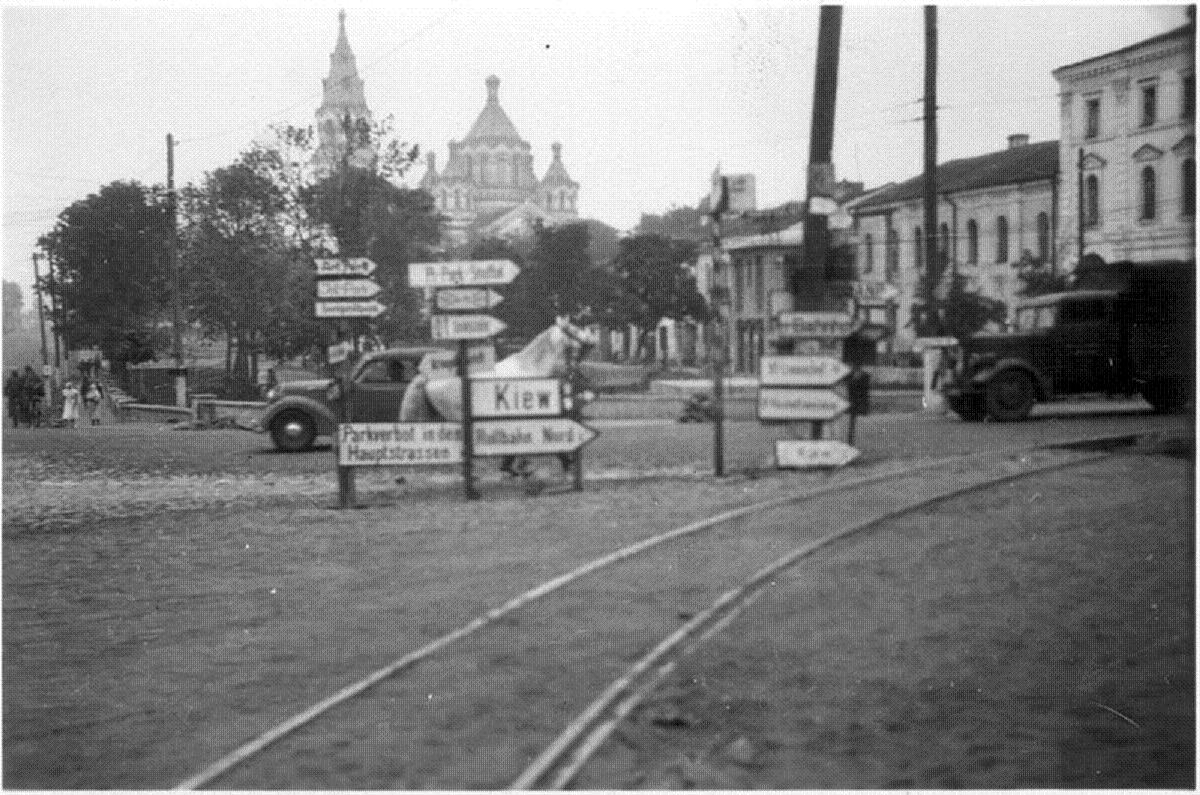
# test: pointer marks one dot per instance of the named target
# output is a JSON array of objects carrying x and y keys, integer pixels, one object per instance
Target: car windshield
[
  {"x": 387, "y": 371},
  {"x": 1032, "y": 318}
]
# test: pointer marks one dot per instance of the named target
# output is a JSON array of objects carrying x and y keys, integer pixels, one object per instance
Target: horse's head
[{"x": 579, "y": 340}]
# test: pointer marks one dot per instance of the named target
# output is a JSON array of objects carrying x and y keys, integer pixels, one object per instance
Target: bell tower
[{"x": 343, "y": 119}]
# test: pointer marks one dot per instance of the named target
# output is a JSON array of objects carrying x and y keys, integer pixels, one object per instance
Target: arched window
[
  {"x": 1149, "y": 194},
  {"x": 868, "y": 253},
  {"x": 1001, "y": 239},
  {"x": 1043, "y": 237},
  {"x": 1091, "y": 205},
  {"x": 918, "y": 248},
  {"x": 944, "y": 241},
  {"x": 972, "y": 242},
  {"x": 1187, "y": 198}
]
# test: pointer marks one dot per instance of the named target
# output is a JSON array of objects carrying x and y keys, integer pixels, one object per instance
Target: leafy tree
[
  {"x": 547, "y": 285},
  {"x": 677, "y": 223},
  {"x": 656, "y": 284},
  {"x": 946, "y": 308},
  {"x": 109, "y": 274},
  {"x": 237, "y": 258},
  {"x": 1035, "y": 276}
]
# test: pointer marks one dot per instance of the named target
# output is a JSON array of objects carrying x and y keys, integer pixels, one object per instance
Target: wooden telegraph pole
[
  {"x": 930, "y": 117},
  {"x": 820, "y": 151},
  {"x": 173, "y": 265},
  {"x": 37, "y": 288}
]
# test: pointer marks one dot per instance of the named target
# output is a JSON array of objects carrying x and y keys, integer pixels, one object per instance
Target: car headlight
[{"x": 272, "y": 394}]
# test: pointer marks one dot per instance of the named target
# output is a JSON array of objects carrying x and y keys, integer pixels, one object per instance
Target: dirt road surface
[{"x": 169, "y": 594}]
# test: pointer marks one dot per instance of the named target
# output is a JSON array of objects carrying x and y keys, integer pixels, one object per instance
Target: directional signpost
[
  {"x": 346, "y": 291},
  {"x": 516, "y": 397},
  {"x": 349, "y": 308},
  {"x": 425, "y": 443},
  {"x": 791, "y": 405},
  {"x": 466, "y": 327},
  {"x": 470, "y": 273},
  {"x": 467, "y": 299},
  {"x": 801, "y": 371},
  {"x": 805, "y": 454}
]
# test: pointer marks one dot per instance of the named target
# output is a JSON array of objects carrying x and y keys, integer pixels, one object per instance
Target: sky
[{"x": 646, "y": 98}]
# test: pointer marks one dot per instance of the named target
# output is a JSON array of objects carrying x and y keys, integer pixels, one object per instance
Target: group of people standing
[{"x": 25, "y": 394}]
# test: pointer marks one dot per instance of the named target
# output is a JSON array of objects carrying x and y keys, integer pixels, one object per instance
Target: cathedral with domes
[{"x": 488, "y": 187}]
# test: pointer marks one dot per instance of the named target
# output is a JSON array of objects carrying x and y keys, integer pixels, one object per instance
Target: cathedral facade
[{"x": 488, "y": 187}]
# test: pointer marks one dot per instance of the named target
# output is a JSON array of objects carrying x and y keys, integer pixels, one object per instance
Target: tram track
[{"x": 738, "y": 579}]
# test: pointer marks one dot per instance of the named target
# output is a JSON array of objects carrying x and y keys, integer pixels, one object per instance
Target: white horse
[{"x": 438, "y": 397}]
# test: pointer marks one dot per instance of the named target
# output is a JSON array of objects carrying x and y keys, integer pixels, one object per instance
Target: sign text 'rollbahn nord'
[
  {"x": 800, "y": 404},
  {"x": 463, "y": 273},
  {"x": 350, "y": 266},
  {"x": 802, "y": 453},
  {"x": 425, "y": 443},
  {"x": 801, "y": 371},
  {"x": 465, "y": 327}
]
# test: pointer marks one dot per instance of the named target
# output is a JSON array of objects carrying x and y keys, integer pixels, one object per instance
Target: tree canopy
[
  {"x": 108, "y": 270},
  {"x": 656, "y": 284}
]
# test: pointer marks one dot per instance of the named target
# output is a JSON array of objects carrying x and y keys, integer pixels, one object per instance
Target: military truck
[{"x": 1122, "y": 329}]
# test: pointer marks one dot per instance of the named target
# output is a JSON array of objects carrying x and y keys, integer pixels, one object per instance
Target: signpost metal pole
[
  {"x": 345, "y": 474},
  {"x": 718, "y": 358},
  {"x": 468, "y": 426},
  {"x": 576, "y": 413}
]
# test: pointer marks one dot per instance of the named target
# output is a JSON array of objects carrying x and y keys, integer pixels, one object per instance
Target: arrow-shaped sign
[
  {"x": 349, "y": 308},
  {"x": 466, "y": 299},
  {"x": 800, "y": 404},
  {"x": 800, "y": 454},
  {"x": 530, "y": 437},
  {"x": 801, "y": 371},
  {"x": 816, "y": 324},
  {"x": 351, "y": 266},
  {"x": 426, "y": 443},
  {"x": 464, "y": 273},
  {"x": 466, "y": 327},
  {"x": 347, "y": 288}
]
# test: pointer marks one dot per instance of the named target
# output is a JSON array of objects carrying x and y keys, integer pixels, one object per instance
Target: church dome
[{"x": 493, "y": 124}]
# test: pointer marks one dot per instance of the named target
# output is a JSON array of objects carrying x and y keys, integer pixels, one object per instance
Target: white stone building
[
  {"x": 991, "y": 208},
  {"x": 1128, "y": 143}
]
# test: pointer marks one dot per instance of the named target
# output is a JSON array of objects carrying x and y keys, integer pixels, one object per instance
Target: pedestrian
[
  {"x": 93, "y": 393},
  {"x": 14, "y": 396},
  {"x": 34, "y": 393},
  {"x": 70, "y": 410}
]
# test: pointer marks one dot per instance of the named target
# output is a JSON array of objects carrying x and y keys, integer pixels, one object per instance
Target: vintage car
[{"x": 298, "y": 412}]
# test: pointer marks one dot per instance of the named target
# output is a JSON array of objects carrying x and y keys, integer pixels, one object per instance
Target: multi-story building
[
  {"x": 1128, "y": 151},
  {"x": 488, "y": 187},
  {"x": 991, "y": 209}
]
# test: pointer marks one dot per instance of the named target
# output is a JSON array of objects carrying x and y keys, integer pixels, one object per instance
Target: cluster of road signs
[
  {"x": 504, "y": 416},
  {"x": 345, "y": 288},
  {"x": 802, "y": 388}
]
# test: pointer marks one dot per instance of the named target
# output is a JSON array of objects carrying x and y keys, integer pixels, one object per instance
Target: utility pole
[
  {"x": 932, "y": 266},
  {"x": 720, "y": 297},
  {"x": 37, "y": 288},
  {"x": 173, "y": 265},
  {"x": 820, "y": 153}
]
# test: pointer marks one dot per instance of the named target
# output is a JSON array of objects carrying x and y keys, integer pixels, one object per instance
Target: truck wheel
[
  {"x": 293, "y": 431},
  {"x": 970, "y": 409},
  {"x": 1010, "y": 396}
]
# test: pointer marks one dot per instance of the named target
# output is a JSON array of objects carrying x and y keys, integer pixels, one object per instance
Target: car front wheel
[
  {"x": 1010, "y": 396},
  {"x": 293, "y": 431}
]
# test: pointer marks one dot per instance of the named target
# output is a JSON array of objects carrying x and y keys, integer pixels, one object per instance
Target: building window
[
  {"x": 944, "y": 242},
  {"x": 892, "y": 254},
  {"x": 1093, "y": 117},
  {"x": 1187, "y": 104},
  {"x": 1001, "y": 239},
  {"x": 868, "y": 253},
  {"x": 1149, "y": 191},
  {"x": 1149, "y": 104},
  {"x": 918, "y": 249},
  {"x": 738, "y": 292},
  {"x": 1091, "y": 209},
  {"x": 1043, "y": 237},
  {"x": 760, "y": 297},
  {"x": 1187, "y": 199},
  {"x": 972, "y": 242}
]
